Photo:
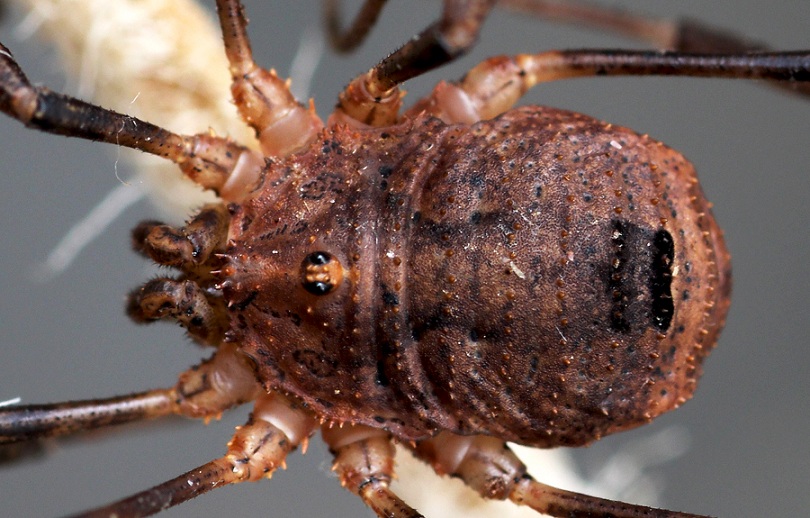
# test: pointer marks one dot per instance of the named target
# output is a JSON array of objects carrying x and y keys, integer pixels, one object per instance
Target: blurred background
[{"x": 749, "y": 424}]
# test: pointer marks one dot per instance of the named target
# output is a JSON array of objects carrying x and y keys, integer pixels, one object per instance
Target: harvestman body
[{"x": 458, "y": 276}]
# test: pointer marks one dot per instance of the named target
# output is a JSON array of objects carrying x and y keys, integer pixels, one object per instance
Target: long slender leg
[
  {"x": 282, "y": 125},
  {"x": 364, "y": 461},
  {"x": 698, "y": 50},
  {"x": 374, "y": 98},
  {"x": 348, "y": 39},
  {"x": 495, "y": 85},
  {"x": 487, "y": 465},
  {"x": 221, "y": 382},
  {"x": 59, "y": 419},
  {"x": 682, "y": 35},
  {"x": 275, "y": 428},
  {"x": 207, "y": 160}
]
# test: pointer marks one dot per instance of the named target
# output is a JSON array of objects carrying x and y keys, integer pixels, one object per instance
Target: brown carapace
[{"x": 453, "y": 277}]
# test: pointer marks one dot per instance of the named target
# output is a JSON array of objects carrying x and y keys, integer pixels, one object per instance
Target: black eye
[
  {"x": 321, "y": 273},
  {"x": 319, "y": 258}
]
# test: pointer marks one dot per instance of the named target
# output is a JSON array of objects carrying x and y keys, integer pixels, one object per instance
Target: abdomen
[{"x": 565, "y": 279}]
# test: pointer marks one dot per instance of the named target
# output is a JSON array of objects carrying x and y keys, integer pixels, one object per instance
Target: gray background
[{"x": 749, "y": 422}]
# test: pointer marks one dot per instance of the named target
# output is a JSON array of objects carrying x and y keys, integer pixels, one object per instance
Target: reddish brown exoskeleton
[{"x": 541, "y": 277}]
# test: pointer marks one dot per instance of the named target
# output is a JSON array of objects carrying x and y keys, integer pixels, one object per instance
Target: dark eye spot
[
  {"x": 319, "y": 258},
  {"x": 321, "y": 273}
]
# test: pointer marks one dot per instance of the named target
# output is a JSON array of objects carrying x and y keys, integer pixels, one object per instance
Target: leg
[
  {"x": 683, "y": 35},
  {"x": 364, "y": 461},
  {"x": 282, "y": 125},
  {"x": 495, "y": 85},
  {"x": 679, "y": 35},
  {"x": 205, "y": 391},
  {"x": 34, "y": 422},
  {"x": 275, "y": 428},
  {"x": 374, "y": 98},
  {"x": 207, "y": 160},
  {"x": 487, "y": 465}
]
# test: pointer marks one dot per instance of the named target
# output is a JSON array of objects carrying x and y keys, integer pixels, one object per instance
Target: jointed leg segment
[
  {"x": 348, "y": 39},
  {"x": 282, "y": 125},
  {"x": 495, "y": 85},
  {"x": 205, "y": 391},
  {"x": 487, "y": 465},
  {"x": 207, "y": 160},
  {"x": 694, "y": 49},
  {"x": 275, "y": 428},
  {"x": 364, "y": 461}
]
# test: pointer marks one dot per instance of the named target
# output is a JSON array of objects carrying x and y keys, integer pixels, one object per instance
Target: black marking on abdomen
[
  {"x": 661, "y": 280},
  {"x": 639, "y": 277}
]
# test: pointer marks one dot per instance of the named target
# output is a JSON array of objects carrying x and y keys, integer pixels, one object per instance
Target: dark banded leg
[
  {"x": 494, "y": 86},
  {"x": 275, "y": 428},
  {"x": 374, "y": 98},
  {"x": 487, "y": 465},
  {"x": 696, "y": 50},
  {"x": 684, "y": 35},
  {"x": 264, "y": 100},
  {"x": 33, "y": 422},
  {"x": 195, "y": 395},
  {"x": 206, "y": 159}
]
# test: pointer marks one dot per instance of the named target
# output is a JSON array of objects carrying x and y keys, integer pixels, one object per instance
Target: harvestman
[{"x": 215, "y": 298}]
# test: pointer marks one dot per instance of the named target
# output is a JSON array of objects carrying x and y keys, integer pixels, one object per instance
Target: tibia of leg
[
  {"x": 683, "y": 35},
  {"x": 256, "y": 450},
  {"x": 181, "y": 300},
  {"x": 364, "y": 461},
  {"x": 557, "y": 502},
  {"x": 348, "y": 39},
  {"x": 264, "y": 101},
  {"x": 184, "y": 247}
]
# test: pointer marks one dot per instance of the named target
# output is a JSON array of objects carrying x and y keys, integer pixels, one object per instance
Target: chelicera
[{"x": 298, "y": 275}]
